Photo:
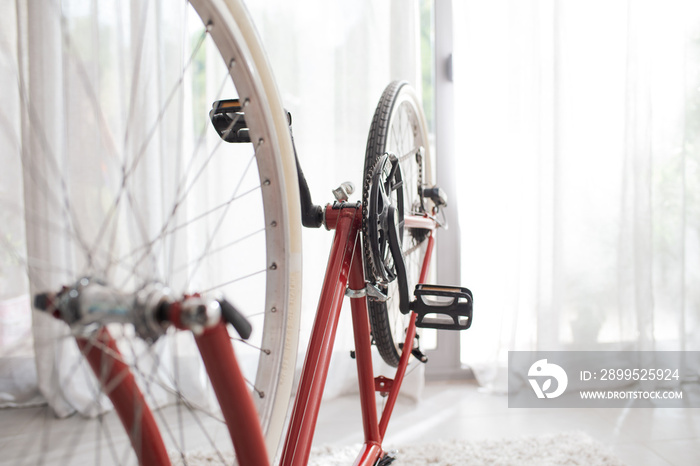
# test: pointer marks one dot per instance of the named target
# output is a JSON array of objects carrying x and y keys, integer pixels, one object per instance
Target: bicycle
[{"x": 129, "y": 286}]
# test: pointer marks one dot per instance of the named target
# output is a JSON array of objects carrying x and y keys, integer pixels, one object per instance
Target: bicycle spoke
[
  {"x": 259, "y": 392},
  {"x": 407, "y": 154},
  {"x": 235, "y": 280},
  {"x": 192, "y": 411},
  {"x": 222, "y": 215},
  {"x": 219, "y": 249},
  {"x": 149, "y": 380},
  {"x": 150, "y": 245},
  {"x": 103, "y": 432},
  {"x": 165, "y": 230},
  {"x": 43, "y": 184},
  {"x": 250, "y": 345},
  {"x": 136, "y": 75},
  {"x": 123, "y": 187},
  {"x": 128, "y": 171}
]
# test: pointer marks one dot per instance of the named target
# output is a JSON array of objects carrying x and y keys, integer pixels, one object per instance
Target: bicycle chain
[
  {"x": 419, "y": 160},
  {"x": 372, "y": 274},
  {"x": 370, "y": 265},
  {"x": 369, "y": 259}
]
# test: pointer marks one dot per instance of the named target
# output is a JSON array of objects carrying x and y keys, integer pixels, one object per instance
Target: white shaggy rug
[{"x": 573, "y": 448}]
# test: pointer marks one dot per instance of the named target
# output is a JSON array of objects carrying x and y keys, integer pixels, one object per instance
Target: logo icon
[{"x": 547, "y": 371}]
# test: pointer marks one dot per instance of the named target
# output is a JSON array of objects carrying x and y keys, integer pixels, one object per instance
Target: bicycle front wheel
[
  {"x": 117, "y": 176},
  {"x": 398, "y": 128}
]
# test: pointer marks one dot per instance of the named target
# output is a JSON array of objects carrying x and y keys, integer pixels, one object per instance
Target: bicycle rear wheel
[
  {"x": 118, "y": 176},
  {"x": 399, "y": 128}
]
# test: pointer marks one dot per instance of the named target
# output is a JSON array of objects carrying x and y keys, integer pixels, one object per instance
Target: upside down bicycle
[{"x": 125, "y": 282}]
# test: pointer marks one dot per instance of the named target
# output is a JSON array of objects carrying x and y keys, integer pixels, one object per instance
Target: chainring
[{"x": 383, "y": 189}]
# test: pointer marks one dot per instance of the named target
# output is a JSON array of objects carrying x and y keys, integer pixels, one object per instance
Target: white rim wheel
[{"x": 127, "y": 208}]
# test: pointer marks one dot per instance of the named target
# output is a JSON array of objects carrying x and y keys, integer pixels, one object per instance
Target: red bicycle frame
[
  {"x": 345, "y": 270},
  {"x": 230, "y": 387}
]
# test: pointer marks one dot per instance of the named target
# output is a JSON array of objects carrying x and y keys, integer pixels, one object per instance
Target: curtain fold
[
  {"x": 332, "y": 61},
  {"x": 88, "y": 87},
  {"x": 18, "y": 380},
  {"x": 91, "y": 79},
  {"x": 580, "y": 176}
]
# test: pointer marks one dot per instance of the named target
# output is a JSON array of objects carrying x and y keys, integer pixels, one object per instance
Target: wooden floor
[
  {"x": 445, "y": 411},
  {"x": 460, "y": 411}
]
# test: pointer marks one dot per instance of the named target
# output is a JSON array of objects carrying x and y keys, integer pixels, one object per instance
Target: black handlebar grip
[
  {"x": 43, "y": 301},
  {"x": 231, "y": 315}
]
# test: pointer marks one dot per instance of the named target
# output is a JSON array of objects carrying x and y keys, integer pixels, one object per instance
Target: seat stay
[
  {"x": 419, "y": 221},
  {"x": 393, "y": 392},
  {"x": 374, "y": 432}
]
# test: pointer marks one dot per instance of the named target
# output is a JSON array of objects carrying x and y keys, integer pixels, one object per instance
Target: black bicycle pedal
[
  {"x": 443, "y": 307},
  {"x": 229, "y": 120}
]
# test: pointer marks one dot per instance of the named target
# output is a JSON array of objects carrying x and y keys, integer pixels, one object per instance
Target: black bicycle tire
[{"x": 380, "y": 321}]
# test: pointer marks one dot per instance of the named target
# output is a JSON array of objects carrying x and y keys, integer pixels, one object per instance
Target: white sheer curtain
[
  {"x": 578, "y": 134},
  {"x": 332, "y": 61},
  {"x": 17, "y": 369},
  {"x": 69, "y": 75}
]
